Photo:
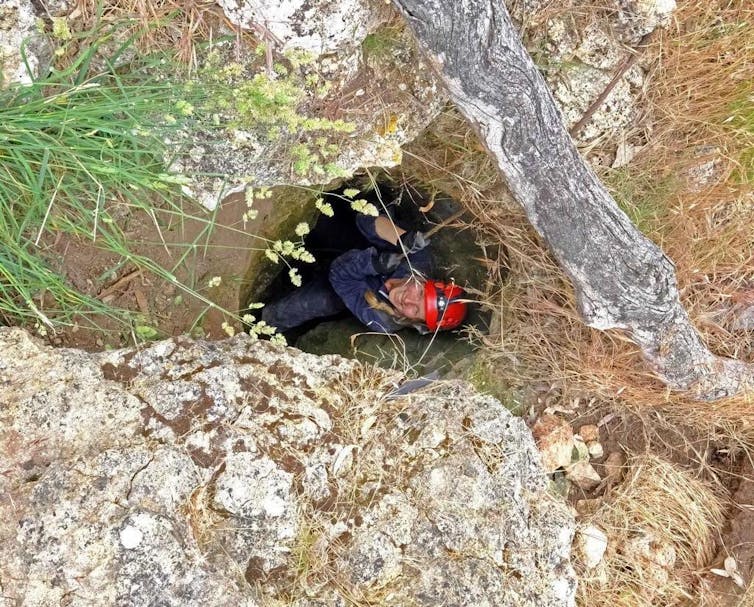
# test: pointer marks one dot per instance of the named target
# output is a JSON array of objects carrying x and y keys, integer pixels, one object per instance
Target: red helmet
[{"x": 443, "y": 307}]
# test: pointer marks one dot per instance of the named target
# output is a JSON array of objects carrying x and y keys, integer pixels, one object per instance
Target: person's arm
[
  {"x": 379, "y": 231},
  {"x": 350, "y": 278},
  {"x": 384, "y": 234},
  {"x": 387, "y": 230}
]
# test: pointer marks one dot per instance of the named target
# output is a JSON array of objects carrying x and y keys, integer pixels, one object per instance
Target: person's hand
[
  {"x": 414, "y": 241},
  {"x": 386, "y": 262}
]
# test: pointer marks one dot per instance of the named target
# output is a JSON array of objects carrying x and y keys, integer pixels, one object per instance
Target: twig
[
  {"x": 443, "y": 223},
  {"x": 118, "y": 284},
  {"x": 627, "y": 64}
]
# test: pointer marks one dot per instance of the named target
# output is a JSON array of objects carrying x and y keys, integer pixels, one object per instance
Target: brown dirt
[
  {"x": 184, "y": 249},
  {"x": 726, "y": 464},
  {"x": 737, "y": 541}
]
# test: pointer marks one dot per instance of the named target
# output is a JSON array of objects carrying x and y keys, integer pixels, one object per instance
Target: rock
[
  {"x": 237, "y": 473},
  {"x": 591, "y": 543},
  {"x": 580, "y": 451},
  {"x": 656, "y": 557},
  {"x": 554, "y": 438},
  {"x": 583, "y": 475},
  {"x": 587, "y": 507},
  {"x": 579, "y": 56},
  {"x": 322, "y": 61},
  {"x": 595, "y": 449},
  {"x": 640, "y": 17},
  {"x": 320, "y": 27},
  {"x": 18, "y": 29},
  {"x": 589, "y": 432}
]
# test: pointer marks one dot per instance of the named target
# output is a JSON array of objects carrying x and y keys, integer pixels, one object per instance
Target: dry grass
[
  {"x": 174, "y": 27},
  {"x": 702, "y": 114},
  {"x": 696, "y": 85},
  {"x": 661, "y": 524}
]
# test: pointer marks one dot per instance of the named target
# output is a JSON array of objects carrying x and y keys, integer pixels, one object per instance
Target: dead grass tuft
[
  {"x": 661, "y": 525},
  {"x": 174, "y": 27}
]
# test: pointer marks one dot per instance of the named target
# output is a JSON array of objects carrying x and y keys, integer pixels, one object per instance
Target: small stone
[
  {"x": 587, "y": 507},
  {"x": 583, "y": 475},
  {"x": 589, "y": 432},
  {"x": 554, "y": 437},
  {"x": 580, "y": 451},
  {"x": 595, "y": 449},
  {"x": 591, "y": 543},
  {"x": 559, "y": 484}
]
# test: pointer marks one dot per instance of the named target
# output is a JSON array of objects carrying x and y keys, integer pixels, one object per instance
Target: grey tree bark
[{"x": 622, "y": 280}]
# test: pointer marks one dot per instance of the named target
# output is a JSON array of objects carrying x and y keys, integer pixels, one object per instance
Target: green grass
[
  {"x": 643, "y": 197},
  {"x": 72, "y": 147},
  {"x": 382, "y": 43}
]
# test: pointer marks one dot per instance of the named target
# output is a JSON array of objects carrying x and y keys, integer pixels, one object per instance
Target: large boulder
[
  {"x": 332, "y": 86},
  {"x": 244, "y": 473}
]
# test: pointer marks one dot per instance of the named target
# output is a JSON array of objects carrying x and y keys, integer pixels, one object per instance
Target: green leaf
[{"x": 145, "y": 331}]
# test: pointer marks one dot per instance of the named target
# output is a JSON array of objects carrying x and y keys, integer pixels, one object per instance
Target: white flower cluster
[
  {"x": 324, "y": 207},
  {"x": 367, "y": 208}
]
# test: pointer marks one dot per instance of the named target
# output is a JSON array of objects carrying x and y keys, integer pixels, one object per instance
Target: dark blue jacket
[{"x": 353, "y": 274}]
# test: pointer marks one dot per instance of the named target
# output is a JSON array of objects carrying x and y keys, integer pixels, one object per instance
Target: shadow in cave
[{"x": 453, "y": 255}]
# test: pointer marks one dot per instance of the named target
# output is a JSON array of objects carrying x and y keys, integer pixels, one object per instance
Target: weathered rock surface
[
  {"x": 579, "y": 52},
  {"x": 380, "y": 87},
  {"x": 242, "y": 473},
  {"x": 318, "y": 26},
  {"x": 19, "y": 36}
]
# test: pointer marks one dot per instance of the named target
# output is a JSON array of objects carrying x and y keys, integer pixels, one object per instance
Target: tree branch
[{"x": 622, "y": 280}]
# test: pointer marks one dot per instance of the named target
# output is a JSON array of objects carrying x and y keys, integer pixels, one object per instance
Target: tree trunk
[{"x": 621, "y": 278}]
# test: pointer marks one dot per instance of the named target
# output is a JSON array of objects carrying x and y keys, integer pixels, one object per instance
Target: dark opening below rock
[{"x": 456, "y": 255}]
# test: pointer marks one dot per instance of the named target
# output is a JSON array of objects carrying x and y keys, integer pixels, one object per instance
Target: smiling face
[{"x": 407, "y": 296}]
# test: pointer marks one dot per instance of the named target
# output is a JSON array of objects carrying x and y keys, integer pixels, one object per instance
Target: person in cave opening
[{"x": 379, "y": 274}]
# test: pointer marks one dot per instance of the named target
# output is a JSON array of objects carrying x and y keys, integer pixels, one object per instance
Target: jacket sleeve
[{"x": 349, "y": 277}]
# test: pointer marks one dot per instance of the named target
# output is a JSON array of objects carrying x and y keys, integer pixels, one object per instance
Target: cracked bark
[{"x": 622, "y": 280}]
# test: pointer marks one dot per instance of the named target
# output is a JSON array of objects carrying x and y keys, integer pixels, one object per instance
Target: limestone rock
[
  {"x": 583, "y": 475},
  {"x": 239, "y": 473},
  {"x": 318, "y": 47},
  {"x": 580, "y": 450},
  {"x": 579, "y": 51},
  {"x": 591, "y": 544},
  {"x": 640, "y": 17},
  {"x": 18, "y": 30},
  {"x": 595, "y": 449},
  {"x": 554, "y": 437},
  {"x": 589, "y": 432},
  {"x": 319, "y": 26}
]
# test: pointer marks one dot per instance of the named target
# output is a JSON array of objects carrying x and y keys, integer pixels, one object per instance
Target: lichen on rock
[{"x": 243, "y": 473}]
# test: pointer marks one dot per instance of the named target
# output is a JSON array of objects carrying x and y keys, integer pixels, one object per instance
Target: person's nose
[{"x": 414, "y": 295}]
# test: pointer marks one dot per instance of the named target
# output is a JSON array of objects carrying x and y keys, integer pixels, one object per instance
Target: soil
[
  {"x": 627, "y": 433},
  {"x": 189, "y": 250},
  {"x": 737, "y": 541}
]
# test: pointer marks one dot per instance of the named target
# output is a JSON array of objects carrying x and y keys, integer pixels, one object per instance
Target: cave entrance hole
[{"x": 455, "y": 253}]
